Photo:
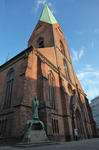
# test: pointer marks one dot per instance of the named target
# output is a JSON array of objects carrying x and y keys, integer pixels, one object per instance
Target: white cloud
[
  {"x": 84, "y": 74},
  {"x": 42, "y": 2},
  {"x": 81, "y": 53},
  {"x": 77, "y": 55},
  {"x": 80, "y": 33},
  {"x": 92, "y": 92},
  {"x": 89, "y": 79},
  {"x": 89, "y": 67},
  {"x": 38, "y": 3}
]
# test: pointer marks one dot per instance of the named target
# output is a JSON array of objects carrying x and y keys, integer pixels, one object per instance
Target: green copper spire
[{"x": 47, "y": 16}]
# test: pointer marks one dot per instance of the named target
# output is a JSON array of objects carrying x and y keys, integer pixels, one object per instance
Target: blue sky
[{"x": 79, "y": 21}]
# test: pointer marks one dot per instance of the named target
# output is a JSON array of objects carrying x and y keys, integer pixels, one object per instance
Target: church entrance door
[{"x": 79, "y": 123}]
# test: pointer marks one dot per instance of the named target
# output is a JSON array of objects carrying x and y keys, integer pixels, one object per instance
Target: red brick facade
[{"x": 48, "y": 73}]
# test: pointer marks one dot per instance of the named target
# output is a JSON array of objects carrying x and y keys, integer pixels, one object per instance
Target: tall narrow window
[
  {"x": 3, "y": 127},
  {"x": 51, "y": 90},
  {"x": 0, "y": 127},
  {"x": 62, "y": 48},
  {"x": 40, "y": 42},
  {"x": 55, "y": 127},
  {"x": 66, "y": 69},
  {"x": 7, "y": 103}
]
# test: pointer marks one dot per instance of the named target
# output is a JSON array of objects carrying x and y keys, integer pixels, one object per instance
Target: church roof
[{"x": 47, "y": 16}]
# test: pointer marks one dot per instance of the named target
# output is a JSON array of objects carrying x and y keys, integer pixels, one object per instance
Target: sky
[{"x": 79, "y": 21}]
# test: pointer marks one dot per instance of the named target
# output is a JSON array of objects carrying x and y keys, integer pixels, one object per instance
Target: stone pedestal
[{"x": 35, "y": 137}]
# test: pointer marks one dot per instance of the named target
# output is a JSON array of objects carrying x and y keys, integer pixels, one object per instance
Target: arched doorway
[{"x": 79, "y": 124}]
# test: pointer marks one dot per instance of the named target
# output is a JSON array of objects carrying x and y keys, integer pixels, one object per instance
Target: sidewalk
[{"x": 89, "y": 144}]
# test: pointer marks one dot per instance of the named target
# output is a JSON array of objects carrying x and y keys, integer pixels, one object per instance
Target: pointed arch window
[
  {"x": 51, "y": 90},
  {"x": 7, "y": 102},
  {"x": 40, "y": 42},
  {"x": 66, "y": 69},
  {"x": 62, "y": 48}
]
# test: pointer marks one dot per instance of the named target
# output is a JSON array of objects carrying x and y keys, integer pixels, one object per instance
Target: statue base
[
  {"x": 35, "y": 133},
  {"x": 35, "y": 137}
]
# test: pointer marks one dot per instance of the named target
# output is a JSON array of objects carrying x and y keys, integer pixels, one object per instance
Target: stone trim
[
  {"x": 7, "y": 112},
  {"x": 63, "y": 55}
]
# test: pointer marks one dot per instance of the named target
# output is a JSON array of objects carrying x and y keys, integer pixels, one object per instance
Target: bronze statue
[
  {"x": 35, "y": 131},
  {"x": 35, "y": 120},
  {"x": 35, "y": 105}
]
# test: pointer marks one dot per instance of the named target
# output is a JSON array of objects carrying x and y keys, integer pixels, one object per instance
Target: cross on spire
[{"x": 45, "y": 2}]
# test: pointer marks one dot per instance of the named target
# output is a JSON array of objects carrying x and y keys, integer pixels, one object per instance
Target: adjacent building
[
  {"x": 45, "y": 70},
  {"x": 95, "y": 110}
]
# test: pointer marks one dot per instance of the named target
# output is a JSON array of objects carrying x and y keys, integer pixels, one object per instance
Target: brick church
[{"x": 45, "y": 70}]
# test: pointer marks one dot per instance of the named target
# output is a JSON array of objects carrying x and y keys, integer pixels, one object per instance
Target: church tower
[{"x": 58, "y": 87}]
